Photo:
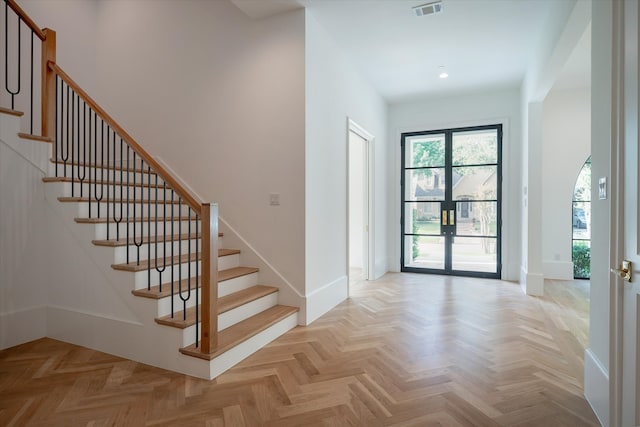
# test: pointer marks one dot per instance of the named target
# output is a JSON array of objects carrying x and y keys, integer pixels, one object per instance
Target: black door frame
[{"x": 448, "y": 204}]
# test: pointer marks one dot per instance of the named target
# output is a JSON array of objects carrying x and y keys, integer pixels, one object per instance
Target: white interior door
[{"x": 626, "y": 319}]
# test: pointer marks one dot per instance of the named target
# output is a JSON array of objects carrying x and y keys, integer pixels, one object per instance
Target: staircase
[{"x": 197, "y": 308}]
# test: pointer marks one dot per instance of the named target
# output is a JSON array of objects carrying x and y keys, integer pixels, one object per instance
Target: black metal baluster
[
  {"x": 184, "y": 301},
  {"x": 198, "y": 263},
  {"x": 55, "y": 140},
  {"x": 115, "y": 172},
  {"x": 87, "y": 163},
  {"x": 31, "y": 94},
  {"x": 95, "y": 162},
  {"x": 128, "y": 204},
  {"x": 135, "y": 237},
  {"x": 6, "y": 61},
  {"x": 65, "y": 132},
  {"x": 73, "y": 139},
  {"x": 107, "y": 182},
  {"x": 164, "y": 237},
  {"x": 149, "y": 227},
  {"x": 84, "y": 149},
  {"x": 172, "y": 253}
]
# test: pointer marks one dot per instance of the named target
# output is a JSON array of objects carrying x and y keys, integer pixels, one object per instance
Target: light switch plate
[
  {"x": 274, "y": 199},
  {"x": 602, "y": 188}
]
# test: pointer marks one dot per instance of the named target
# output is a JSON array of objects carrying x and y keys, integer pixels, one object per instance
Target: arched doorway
[{"x": 581, "y": 223}]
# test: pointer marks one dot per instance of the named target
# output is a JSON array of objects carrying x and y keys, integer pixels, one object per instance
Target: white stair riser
[
  {"x": 228, "y": 261},
  {"x": 101, "y": 209},
  {"x": 237, "y": 284},
  {"x": 99, "y": 174},
  {"x": 247, "y": 310},
  {"x": 164, "y": 304},
  {"x": 234, "y": 316},
  {"x": 77, "y": 189},
  {"x": 180, "y": 271},
  {"x": 163, "y": 250},
  {"x": 142, "y": 228}
]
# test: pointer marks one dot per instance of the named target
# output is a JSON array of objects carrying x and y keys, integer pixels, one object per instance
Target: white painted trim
[
  {"x": 354, "y": 127},
  {"x": 531, "y": 283},
  {"x": 325, "y": 298},
  {"x": 558, "y": 270},
  {"x": 21, "y": 326},
  {"x": 596, "y": 386}
]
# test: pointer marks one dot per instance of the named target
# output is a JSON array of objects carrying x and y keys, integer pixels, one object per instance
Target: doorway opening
[
  {"x": 451, "y": 201},
  {"x": 360, "y": 204}
]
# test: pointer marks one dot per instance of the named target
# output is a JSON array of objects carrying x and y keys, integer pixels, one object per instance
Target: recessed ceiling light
[
  {"x": 442, "y": 72},
  {"x": 428, "y": 9}
]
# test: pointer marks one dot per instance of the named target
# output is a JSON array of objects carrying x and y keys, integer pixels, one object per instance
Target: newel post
[
  {"x": 209, "y": 277},
  {"x": 48, "y": 87}
]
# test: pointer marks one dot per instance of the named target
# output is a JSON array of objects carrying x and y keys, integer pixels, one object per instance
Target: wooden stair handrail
[
  {"x": 157, "y": 168},
  {"x": 26, "y": 19}
]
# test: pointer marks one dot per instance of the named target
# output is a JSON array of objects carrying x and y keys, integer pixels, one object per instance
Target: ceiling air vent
[{"x": 428, "y": 9}]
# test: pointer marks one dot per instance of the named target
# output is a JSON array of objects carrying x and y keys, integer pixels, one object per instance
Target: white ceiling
[{"x": 483, "y": 44}]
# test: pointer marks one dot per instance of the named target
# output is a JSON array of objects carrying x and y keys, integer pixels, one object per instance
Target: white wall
[
  {"x": 75, "y": 25},
  {"x": 495, "y": 107},
  {"x": 220, "y": 99},
  {"x": 566, "y": 145},
  {"x": 565, "y": 26},
  {"x": 336, "y": 91}
]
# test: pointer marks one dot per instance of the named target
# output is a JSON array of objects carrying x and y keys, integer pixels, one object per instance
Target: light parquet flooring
[{"x": 406, "y": 350}]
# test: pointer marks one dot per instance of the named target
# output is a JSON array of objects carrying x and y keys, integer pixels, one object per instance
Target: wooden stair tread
[
  {"x": 145, "y": 240},
  {"x": 242, "y": 331},
  {"x": 37, "y": 138},
  {"x": 154, "y": 291},
  {"x": 225, "y": 303},
  {"x": 99, "y": 166},
  {"x": 104, "y": 200},
  {"x": 134, "y": 266},
  {"x": 103, "y": 220},
  {"x": 100, "y": 182},
  {"x": 11, "y": 112}
]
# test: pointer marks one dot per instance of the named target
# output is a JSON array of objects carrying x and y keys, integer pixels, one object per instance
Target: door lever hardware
[
  {"x": 444, "y": 217},
  {"x": 624, "y": 271}
]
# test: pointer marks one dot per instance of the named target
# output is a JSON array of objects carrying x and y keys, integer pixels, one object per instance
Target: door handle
[
  {"x": 444, "y": 217},
  {"x": 624, "y": 271},
  {"x": 452, "y": 216}
]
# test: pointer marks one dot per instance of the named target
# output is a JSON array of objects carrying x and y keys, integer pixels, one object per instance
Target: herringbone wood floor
[{"x": 406, "y": 350}]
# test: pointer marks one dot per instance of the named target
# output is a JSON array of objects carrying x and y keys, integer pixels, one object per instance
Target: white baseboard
[
  {"x": 596, "y": 386},
  {"x": 531, "y": 283},
  {"x": 19, "y": 327},
  {"x": 558, "y": 270},
  {"x": 325, "y": 298}
]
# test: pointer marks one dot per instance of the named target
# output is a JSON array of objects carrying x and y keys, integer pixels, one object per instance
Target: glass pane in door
[
  {"x": 477, "y": 218},
  {"x": 422, "y": 218},
  {"x": 424, "y": 184},
  {"x": 424, "y": 151},
  {"x": 424, "y": 252},
  {"x": 477, "y": 147},
  {"x": 474, "y": 254}
]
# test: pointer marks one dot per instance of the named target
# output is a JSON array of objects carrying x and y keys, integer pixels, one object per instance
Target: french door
[{"x": 451, "y": 201}]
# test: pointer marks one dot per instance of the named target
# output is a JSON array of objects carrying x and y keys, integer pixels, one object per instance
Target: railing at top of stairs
[{"x": 106, "y": 166}]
